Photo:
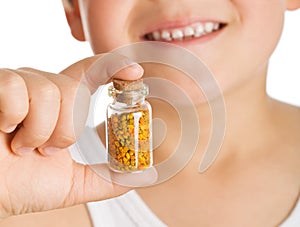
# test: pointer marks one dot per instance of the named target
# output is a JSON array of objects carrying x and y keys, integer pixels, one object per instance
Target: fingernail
[
  {"x": 138, "y": 68},
  {"x": 151, "y": 175},
  {"x": 129, "y": 62},
  {"x": 115, "y": 66},
  {"x": 136, "y": 72},
  {"x": 50, "y": 150},
  {"x": 107, "y": 65},
  {"x": 144, "y": 178},
  {"x": 10, "y": 128},
  {"x": 24, "y": 150}
]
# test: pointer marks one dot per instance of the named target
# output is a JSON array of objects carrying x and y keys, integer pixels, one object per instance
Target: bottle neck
[{"x": 130, "y": 98}]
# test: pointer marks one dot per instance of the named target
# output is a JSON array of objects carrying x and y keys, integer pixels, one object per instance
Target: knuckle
[
  {"x": 69, "y": 85},
  {"x": 10, "y": 80},
  {"x": 25, "y": 69},
  {"x": 49, "y": 90},
  {"x": 11, "y": 109},
  {"x": 40, "y": 137},
  {"x": 14, "y": 117}
]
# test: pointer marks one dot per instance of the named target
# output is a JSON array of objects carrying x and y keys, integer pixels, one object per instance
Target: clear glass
[{"x": 128, "y": 131}]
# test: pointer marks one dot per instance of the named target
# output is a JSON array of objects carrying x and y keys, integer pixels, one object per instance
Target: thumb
[
  {"x": 94, "y": 181},
  {"x": 99, "y": 69},
  {"x": 93, "y": 72},
  {"x": 98, "y": 182}
]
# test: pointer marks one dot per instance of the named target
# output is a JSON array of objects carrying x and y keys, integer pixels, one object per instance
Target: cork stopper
[{"x": 127, "y": 85}]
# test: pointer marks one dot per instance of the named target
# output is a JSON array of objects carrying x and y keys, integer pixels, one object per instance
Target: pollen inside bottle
[{"x": 128, "y": 127}]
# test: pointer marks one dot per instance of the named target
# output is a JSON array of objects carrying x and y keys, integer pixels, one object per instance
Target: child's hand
[
  {"x": 38, "y": 106},
  {"x": 36, "y": 127}
]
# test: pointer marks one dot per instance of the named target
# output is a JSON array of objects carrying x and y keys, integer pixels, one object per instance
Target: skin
[
  {"x": 24, "y": 171},
  {"x": 251, "y": 174}
]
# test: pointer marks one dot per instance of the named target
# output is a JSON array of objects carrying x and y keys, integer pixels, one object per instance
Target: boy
[{"x": 254, "y": 181}]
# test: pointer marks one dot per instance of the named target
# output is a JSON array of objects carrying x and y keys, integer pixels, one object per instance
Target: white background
[{"x": 35, "y": 33}]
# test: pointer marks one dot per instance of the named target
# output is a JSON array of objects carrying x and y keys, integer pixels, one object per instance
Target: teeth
[
  {"x": 195, "y": 30},
  {"x": 177, "y": 34},
  {"x": 156, "y": 35},
  {"x": 199, "y": 30},
  {"x": 209, "y": 27},
  {"x": 188, "y": 32},
  {"x": 216, "y": 26},
  {"x": 166, "y": 35}
]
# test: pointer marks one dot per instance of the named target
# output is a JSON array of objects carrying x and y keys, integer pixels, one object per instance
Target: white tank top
[
  {"x": 126, "y": 210},
  {"x": 129, "y": 210}
]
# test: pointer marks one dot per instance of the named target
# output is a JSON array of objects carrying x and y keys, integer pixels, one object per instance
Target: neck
[{"x": 253, "y": 121}]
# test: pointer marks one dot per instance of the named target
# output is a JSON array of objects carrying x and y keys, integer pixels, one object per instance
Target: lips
[{"x": 181, "y": 33}]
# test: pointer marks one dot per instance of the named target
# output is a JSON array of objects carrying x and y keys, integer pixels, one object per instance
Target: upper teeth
[
  {"x": 188, "y": 32},
  {"x": 177, "y": 34},
  {"x": 195, "y": 30}
]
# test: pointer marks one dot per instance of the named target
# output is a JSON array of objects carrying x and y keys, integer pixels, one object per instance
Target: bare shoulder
[
  {"x": 288, "y": 145},
  {"x": 67, "y": 217}
]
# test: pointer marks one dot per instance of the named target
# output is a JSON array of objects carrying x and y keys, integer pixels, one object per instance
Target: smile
[{"x": 195, "y": 30}]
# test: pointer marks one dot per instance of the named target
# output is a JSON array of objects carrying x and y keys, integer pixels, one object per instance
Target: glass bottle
[{"x": 128, "y": 127}]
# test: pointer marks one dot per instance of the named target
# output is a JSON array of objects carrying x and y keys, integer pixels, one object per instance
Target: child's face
[{"x": 249, "y": 32}]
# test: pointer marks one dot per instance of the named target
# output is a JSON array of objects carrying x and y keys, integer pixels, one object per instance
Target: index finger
[{"x": 99, "y": 69}]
